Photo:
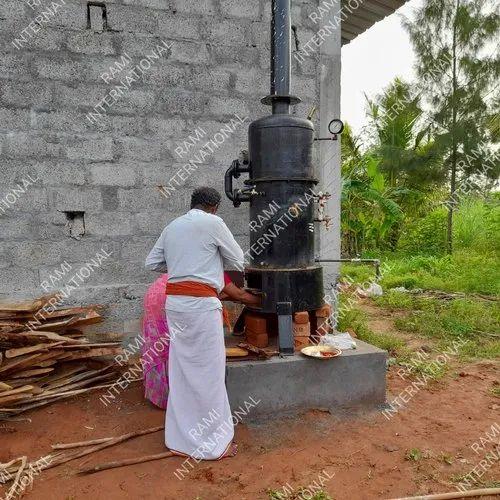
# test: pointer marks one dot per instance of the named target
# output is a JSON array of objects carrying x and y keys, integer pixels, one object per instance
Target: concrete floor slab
[{"x": 356, "y": 379}]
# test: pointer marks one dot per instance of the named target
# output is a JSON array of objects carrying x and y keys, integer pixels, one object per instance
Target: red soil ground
[{"x": 363, "y": 454}]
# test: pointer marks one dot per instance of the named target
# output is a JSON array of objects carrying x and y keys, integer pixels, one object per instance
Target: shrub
[{"x": 426, "y": 235}]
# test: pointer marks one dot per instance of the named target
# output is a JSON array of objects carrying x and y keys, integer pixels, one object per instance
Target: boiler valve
[
  {"x": 321, "y": 199},
  {"x": 239, "y": 166}
]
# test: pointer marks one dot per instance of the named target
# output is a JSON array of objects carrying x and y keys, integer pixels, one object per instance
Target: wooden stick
[
  {"x": 56, "y": 397},
  {"x": 93, "y": 449},
  {"x": 123, "y": 463},
  {"x": 66, "y": 391},
  {"x": 67, "y": 446},
  {"x": 12, "y": 490},
  {"x": 455, "y": 494}
]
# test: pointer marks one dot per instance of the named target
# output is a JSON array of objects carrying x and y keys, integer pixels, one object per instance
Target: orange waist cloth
[
  {"x": 196, "y": 289},
  {"x": 191, "y": 289}
]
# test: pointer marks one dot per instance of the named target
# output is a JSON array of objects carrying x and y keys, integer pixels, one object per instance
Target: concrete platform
[{"x": 356, "y": 379}]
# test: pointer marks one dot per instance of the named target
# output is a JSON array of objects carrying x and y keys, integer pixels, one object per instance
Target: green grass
[
  {"x": 475, "y": 322},
  {"x": 414, "y": 455},
  {"x": 464, "y": 271},
  {"x": 443, "y": 322},
  {"x": 357, "y": 320},
  {"x": 495, "y": 390},
  {"x": 301, "y": 494}
]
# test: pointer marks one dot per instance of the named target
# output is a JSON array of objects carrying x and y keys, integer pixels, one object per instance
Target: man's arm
[
  {"x": 155, "y": 261},
  {"x": 231, "y": 252}
]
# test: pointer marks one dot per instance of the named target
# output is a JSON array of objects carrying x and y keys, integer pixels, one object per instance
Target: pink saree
[{"x": 155, "y": 344}]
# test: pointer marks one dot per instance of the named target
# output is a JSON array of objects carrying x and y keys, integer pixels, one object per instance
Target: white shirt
[{"x": 195, "y": 247}]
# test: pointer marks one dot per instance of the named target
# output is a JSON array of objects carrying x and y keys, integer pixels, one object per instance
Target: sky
[{"x": 372, "y": 61}]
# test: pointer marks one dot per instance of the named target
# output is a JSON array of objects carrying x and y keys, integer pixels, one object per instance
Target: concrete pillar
[{"x": 329, "y": 168}]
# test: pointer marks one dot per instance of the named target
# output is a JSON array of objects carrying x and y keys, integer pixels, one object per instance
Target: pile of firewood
[{"x": 44, "y": 357}]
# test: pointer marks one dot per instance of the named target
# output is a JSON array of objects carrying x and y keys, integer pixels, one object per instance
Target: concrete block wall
[{"x": 217, "y": 66}]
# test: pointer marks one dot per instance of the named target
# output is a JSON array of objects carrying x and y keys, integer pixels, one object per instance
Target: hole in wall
[
  {"x": 75, "y": 222},
  {"x": 94, "y": 10}
]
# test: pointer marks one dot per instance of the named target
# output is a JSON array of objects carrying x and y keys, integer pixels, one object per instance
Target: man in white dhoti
[{"x": 193, "y": 249}]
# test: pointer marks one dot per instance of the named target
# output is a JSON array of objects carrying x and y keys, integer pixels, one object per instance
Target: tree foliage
[{"x": 458, "y": 66}]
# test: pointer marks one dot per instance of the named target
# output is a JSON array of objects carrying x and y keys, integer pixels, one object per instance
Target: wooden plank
[
  {"x": 20, "y": 351},
  {"x": 31, "y": 373},
  {"x": 26, "y": 305},
  {"x": 42, "y": 314},
  {"x": 110, "y": 336},
  {"x": 96, "y": 352},
  {"x": 18, "y": 362},
  {"x": 89, "y": 346},
  {"x": 45, "y": 364},
  {"x": 16, "y": 398},
  {"x": 55, "y": 337},
  {"x": 77, "y": 378},
  {"x": 64, "y": 372},
  {"x": 18, "y": 390},
  {"x": 55, "y": 325},
  {"x": 90, "y": 318}
]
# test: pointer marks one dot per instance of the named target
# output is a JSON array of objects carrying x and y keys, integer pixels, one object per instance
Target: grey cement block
[
  {"x": 164, "y": 126},
  {"x": 17, "y": 278},
  {"x": 143, "y": 150},
  {"x": 135, "y": 101},
  {"x": 249, "y": 9},
  {"x": 110, "y": 174},
  {"x": 91, "y": 149},
  {"x": 152, "y": 222},
  {"x": 77, "y": 199},
  {"x": 137, "y": 248},
  {"x": 139, "y": 199},
  {"x": 137, "y": 44},
  {"x": 181, "y": 102},
  {"x": 154, "y": 4},
  {"x": 189, "y": 52},
  {"x": 175, "y": 26},
  {"x": 166, "y": 74},
  {"x": 227, "y": 107},
  {"x": 28, "y": 144},
  {"x": 58, "y": 69},
  {"x": 66, "y": 121},
  {"x": 133, "y": 19},
  {"x": 231, "y": 33},
  {"x": 291, "y": 384},
  {"x": 211, "y": 80},
  {"x": 110, "y": 224},
  {"x": 253, "y": 82},
  {"x": 56, "y": 173},
  {"x": 89, "y": 42},
  {"x": 48, "y": 39},
  {"x": 15, "y": 226},
  {"x": 14, "y": 119},
  {"x": 14, "y": 65},
  {"x": 201, "y": 7}
]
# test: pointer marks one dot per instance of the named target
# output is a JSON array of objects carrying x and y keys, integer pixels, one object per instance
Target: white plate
[{"x": 313, "y": 351}]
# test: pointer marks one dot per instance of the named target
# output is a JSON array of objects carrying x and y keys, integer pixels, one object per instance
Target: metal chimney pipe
[{"x": 280, "y": 56}]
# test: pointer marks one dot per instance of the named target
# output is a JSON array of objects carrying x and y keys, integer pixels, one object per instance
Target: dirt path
[{"x": 359, "y": 458}]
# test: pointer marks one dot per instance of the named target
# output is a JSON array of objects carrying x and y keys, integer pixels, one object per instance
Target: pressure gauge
[{"x": 336, "y": 126}]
